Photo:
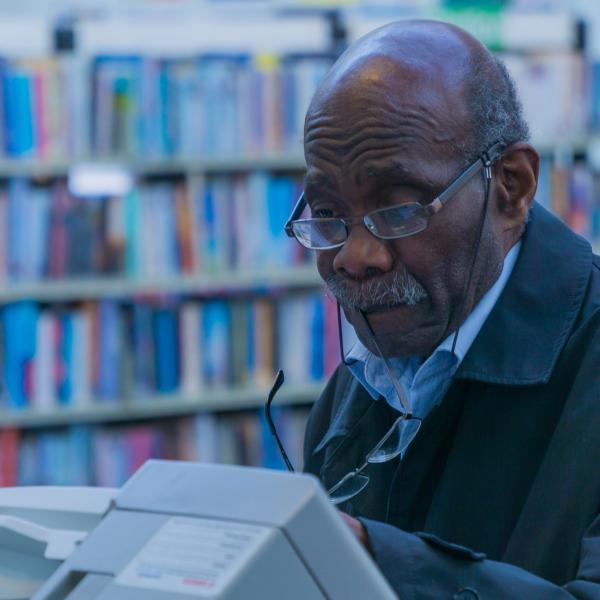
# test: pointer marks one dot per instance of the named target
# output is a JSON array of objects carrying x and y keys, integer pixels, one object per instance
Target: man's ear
[{"x": 516, "y": 175}]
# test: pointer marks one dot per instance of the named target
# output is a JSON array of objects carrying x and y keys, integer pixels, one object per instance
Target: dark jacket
[{"x": 499, "y": 494}]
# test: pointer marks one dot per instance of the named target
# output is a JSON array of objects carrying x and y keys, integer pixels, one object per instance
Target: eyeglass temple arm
[
  {"x": 298, "y": 208},
  {"x": 279, "y": 379},
  {"x": 485, "y": 161}
]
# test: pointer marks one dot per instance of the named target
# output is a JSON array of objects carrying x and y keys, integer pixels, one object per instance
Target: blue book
[
  {"x": 317, "y": 330},
  {"x": 131, "y": 204},
  {"x": 289, "y": 106},
  {"x": 166, "y": 349},
  {"x": 280, "y": 191},
  {"x": 18, "y": 113},
  {"x": 109, "y": 350},
  {"x": 169, "y": 226},
  {"x": 52, "y": 458},
  {"x": 216, "y": 328},
  {"x": 29, "y": 460},
  {"x": 16, "y": 189},
  {"x": 165, "y": 104},
  {"x": 250, "y": 339},
  {"x": 65, "y": 382},
  {"x": 19, "y": 323},
  {"x": 210, "y": 245},
  {"x": 143, "y": 349},
  {"x": 595, "y": 96},
  {"x": 79, "y": 465}
]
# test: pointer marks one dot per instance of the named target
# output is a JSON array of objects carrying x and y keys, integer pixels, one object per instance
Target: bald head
[
  {"x": 428, "y": 69},
  {"x": 418, "y": 47}
]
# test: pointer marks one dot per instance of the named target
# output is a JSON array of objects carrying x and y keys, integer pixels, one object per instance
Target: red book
[{"x": 9, "y": 457}]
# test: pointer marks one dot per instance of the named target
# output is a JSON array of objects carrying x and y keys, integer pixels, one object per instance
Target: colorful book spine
[
  {"x": 205, "y": 105},
  {"x": 158, "y": 229},
  {"x": 108, "y": 455},
  {"x": 109, "y": 351}
]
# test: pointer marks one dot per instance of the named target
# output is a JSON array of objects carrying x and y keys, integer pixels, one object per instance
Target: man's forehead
[
  {"x": 394, "y": 78},
  {"x": 376, "y": 81},
  {"x": 378, "y": 106},
  {"x": 370, "y": 141},
  {"x": 405, "y": 171}
]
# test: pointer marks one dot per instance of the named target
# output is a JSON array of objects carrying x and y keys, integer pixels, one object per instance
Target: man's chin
[{"x": 402, "y": 330}]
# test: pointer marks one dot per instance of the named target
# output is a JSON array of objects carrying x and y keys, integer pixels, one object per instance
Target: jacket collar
[{"x": 520, "y": 341}]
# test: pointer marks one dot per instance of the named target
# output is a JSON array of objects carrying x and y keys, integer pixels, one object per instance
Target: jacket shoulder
[{"x": 591, "y": 301}]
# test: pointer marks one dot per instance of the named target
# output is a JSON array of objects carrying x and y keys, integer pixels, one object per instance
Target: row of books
[
  {"x": 145, "y": 106},
  {"x": 43, "y": 110},
  {"x": 207, "y": 225},
  {"x": 108, "y": 455},
  {"x": 139, "y": 106},
  {"x": 157, "y": 229},
  {"x": 149, "y": 107},
  {"x": 107, "y": 352}
]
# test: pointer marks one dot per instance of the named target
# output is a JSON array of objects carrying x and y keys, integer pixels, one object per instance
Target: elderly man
[{"x": 461, "y": 432}]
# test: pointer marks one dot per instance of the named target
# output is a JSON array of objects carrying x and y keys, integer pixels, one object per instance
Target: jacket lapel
[
  {"x": 353, "y": 402},
  {"x": 522, "y": 338}
]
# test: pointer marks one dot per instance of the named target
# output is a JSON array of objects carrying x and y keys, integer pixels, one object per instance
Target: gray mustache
[{"x": 376, "y": 293}]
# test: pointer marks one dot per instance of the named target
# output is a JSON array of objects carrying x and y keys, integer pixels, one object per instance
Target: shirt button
[{"x": 466, "y": 594}]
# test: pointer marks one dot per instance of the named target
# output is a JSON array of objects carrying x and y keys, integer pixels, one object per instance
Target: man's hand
[{"x": 358, "y": 530}]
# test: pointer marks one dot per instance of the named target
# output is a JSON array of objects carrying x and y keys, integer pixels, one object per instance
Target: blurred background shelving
[{"x": 150, "y": 153}]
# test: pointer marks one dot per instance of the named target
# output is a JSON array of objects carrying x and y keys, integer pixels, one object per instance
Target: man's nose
[{"x": 361, "y": 253}]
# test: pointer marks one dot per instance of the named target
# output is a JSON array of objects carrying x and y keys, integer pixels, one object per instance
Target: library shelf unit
[
  {"x": 220, "y": 400},
  {"x": 68, "y": 290},
  {"x": 149, "y": 167}
]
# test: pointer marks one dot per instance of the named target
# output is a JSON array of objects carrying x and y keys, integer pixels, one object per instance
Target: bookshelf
[
  {"x": 273, "y": 52},
  {"x": 157, "y": 318},
  {"x": 232, "y": 398},
  {"x": 300, "y": 277},
  {"x": 178, "y": 166}
]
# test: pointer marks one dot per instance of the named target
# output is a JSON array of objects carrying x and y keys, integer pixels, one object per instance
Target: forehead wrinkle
[
  {"x": 375, "y": 116},
  {"x": 395, "y": 168},
  {"x": 406, "y": 126}
]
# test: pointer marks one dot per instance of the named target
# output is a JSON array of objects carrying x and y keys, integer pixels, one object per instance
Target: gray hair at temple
[{"x": 495, "y": 109}]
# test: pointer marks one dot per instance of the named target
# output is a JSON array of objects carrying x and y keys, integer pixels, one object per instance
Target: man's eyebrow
[
  {"x": 397, "y": 172},
  {"x": 319, "y": 180}
]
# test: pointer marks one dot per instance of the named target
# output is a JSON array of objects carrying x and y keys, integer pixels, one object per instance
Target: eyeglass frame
[
  {"x": 483, "y": 161},
  {"x": 406, "y": 415}
]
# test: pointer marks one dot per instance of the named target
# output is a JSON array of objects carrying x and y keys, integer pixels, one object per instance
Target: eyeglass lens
[
  {"x": 320, "y": 233},
  {"x": 387, "y": 223},
  {"x": 397, "y": 221},
  {"x": 394, "y": 443}
]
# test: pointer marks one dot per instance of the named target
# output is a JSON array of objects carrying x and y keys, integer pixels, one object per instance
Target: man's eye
[{"x": 323, "y": 213}]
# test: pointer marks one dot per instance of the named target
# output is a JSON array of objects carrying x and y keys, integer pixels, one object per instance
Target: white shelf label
[{"x": 199, "y": 557}]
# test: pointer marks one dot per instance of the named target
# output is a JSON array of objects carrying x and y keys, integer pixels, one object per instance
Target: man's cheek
[{"x": 325, "y": 262}]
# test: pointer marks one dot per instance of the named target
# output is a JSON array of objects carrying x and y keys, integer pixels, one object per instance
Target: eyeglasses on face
[{"x": 393, "y": 222}]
